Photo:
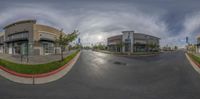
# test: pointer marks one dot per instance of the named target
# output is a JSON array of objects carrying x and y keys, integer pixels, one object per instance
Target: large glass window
[
  {"x": 15, "y": 36},
  {"x": 48, "y": 48}
]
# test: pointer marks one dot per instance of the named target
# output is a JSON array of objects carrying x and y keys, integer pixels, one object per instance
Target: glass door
[{"x": 24, "y": 49}]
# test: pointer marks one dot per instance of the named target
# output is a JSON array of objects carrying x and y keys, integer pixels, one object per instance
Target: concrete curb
[
  {"x": 143, "y": 55},
  {"x": 39, "y": 78},
  {"x": 139, "y": 55},
  {"x": 194, "y": 64}
]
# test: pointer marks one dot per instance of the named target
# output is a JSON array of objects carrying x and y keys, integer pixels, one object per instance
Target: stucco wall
[{"x": 38, "y": 29}]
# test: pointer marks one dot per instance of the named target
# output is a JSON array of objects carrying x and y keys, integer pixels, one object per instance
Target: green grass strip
[
  {"x": 36, "y": 68},
  {"x": 194, "y": 57}
]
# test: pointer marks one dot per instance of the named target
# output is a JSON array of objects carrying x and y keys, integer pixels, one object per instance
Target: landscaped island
[
  {"x": 194, "y": 58},
  {"x": 36, "y": 68}
]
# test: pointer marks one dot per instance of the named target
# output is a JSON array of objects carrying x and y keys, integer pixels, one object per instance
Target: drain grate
[{"x": 119, "y": 63}]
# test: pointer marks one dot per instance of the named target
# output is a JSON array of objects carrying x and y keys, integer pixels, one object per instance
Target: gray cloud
[{"x": 169, "y": 20}]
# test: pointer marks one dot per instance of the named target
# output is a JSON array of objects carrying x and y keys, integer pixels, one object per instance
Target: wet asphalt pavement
[{"x": 102, "y": 76}]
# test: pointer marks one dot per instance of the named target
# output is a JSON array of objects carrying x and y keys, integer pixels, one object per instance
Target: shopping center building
[
  {"x": 29, "y": 38},
  {"x": 131, "y": 42}
]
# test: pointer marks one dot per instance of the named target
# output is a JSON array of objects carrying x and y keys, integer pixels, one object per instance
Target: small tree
[
  {"x": 175, "y": 48},
  {"x": 154, "y": 47},
  {"x": 150, "y": 46},
  {"x": 99, "y": 47},
  {"x": 64, "y": 40}
]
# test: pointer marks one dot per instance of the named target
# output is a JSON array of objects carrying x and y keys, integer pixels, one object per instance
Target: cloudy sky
[{"x": 171, "y": 20}]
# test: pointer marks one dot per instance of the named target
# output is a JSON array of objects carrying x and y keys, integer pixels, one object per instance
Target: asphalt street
[{"x": 103, "y": 76}]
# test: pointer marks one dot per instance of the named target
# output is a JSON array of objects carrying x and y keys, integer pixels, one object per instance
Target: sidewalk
[
  {"x": 39, "y": 78},
  {"x": 34, "y": 59},
  {"x": 194, "y": 64},
  {"x": 197, "y": 54}
]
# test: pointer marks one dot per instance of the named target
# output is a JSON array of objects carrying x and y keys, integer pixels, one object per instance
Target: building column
[
  {"x": 12, "y": 48},
  {"x": 123, "y": 49},
  {"x": 30, "y": 46},
  {"x": 132, "y": 48}
]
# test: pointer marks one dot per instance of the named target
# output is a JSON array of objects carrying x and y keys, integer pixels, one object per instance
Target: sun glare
[{"x": 99, "y": 37}]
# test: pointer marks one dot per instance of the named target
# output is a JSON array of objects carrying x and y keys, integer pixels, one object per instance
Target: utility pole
[{"x": 187, "y": 42}]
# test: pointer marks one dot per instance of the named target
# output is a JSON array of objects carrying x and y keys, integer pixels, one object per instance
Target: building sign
[{"x": 47, "y": 36}]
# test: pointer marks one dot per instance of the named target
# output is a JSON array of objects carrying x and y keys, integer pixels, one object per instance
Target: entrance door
[
  {"x": 45, "y": 48},
  {"x": 17, "y": 47},
  {"x": 127, "y": 47}
]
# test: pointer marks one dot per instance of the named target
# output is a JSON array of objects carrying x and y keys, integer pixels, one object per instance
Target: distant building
[
  {"x": 29, "y": 38},
  {"x": 2, "y": 38},
  {"x": 131, "y": 42},
  {"x": 198, "y": 45},
  {"x": 114, "y": 43}
]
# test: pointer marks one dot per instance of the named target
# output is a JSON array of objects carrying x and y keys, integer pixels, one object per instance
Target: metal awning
[
  {"x": 46, "y": 39},
  {"x": 17, "y": 40}
]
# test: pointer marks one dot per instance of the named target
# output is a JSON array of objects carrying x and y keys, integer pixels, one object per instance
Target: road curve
[{"x": 103, "y": 76}]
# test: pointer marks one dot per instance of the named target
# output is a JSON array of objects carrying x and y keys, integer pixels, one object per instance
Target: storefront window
[{"x": 48, "y": 48}]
